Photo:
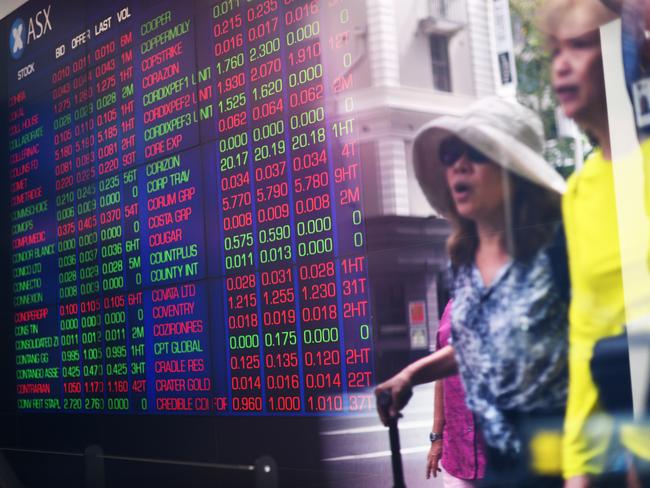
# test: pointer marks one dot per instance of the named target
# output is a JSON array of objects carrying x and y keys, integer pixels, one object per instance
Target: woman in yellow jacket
[{"x": 597, "y": 307}]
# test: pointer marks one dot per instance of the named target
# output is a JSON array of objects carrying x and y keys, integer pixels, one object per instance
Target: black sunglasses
[{"x": 452, "y": 149}]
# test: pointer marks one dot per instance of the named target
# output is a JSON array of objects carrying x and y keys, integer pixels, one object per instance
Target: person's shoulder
[
  {"x": 549, "y": 262},
  {"x": 459, "y": 272},
  {"x": 578, "y": 175},
  {"x": 590, "y": 173}
]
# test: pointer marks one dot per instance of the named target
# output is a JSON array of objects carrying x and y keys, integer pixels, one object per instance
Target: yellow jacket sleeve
[
  {"x": 587, "y": 431},
  {"x": 595, "y": 311}
]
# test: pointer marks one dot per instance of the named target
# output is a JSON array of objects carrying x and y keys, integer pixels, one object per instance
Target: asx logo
[
  {"x": 17, "y": 38},
  {"x": 37, "y": 27}
]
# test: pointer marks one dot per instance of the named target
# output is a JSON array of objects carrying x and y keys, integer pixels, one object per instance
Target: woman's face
[
  {"x": 577, "y": 76},
  {"x": 477, "y": 190}
]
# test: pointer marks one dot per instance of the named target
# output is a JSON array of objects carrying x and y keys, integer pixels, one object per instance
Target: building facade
[{"x": 414, "y": 60}]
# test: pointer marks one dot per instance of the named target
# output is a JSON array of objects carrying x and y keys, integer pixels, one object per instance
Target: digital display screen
[{"x": 187, "y": 229}]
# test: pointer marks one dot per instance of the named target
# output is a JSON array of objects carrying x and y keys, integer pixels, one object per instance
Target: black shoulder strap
[{"x": 557, "y": 254}]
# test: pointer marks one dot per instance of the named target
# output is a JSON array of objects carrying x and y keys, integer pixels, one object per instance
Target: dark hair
[{"x": 535, "y": 214}]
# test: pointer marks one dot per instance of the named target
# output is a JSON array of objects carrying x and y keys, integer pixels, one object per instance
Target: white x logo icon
[{"x": 18, "y": 41}]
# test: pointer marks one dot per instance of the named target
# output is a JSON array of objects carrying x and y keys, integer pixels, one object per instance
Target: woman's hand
[
  {"x": 392, "y": 395},
  {"x": 433, "y": 458}
]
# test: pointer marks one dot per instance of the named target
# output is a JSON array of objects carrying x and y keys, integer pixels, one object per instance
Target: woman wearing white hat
[{"x": 484, "y": 172}]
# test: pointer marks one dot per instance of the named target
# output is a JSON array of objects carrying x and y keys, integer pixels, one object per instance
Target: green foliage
[
  {"x": 534, "y": 87},
  {"x": 560, "y": 152}
]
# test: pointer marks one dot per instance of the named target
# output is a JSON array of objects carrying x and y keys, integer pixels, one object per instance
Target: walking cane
[{"x": 393, "y": 434}]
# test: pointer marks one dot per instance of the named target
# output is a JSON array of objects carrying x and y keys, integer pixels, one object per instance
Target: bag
[
  {"x": 610, "y": 370},
  {"x": 559, "y": 264}
]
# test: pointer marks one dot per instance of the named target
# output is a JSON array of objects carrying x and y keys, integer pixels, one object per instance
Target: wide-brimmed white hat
[{"x": 508, "y": 133}]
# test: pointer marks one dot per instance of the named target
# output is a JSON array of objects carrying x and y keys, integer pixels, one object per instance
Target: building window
[{"x": 440, "y": 62}]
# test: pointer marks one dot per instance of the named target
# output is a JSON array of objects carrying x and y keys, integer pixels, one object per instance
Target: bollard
[
  {"x": 266, "y": 472},
  {"x": 94, "y": 463}
]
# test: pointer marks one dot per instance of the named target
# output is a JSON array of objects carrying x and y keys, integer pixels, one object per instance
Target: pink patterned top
[{"x": 463, "y": 452}]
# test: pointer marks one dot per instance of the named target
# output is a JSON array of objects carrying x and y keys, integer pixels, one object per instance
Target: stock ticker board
[{"x": 187, "y": 233}]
